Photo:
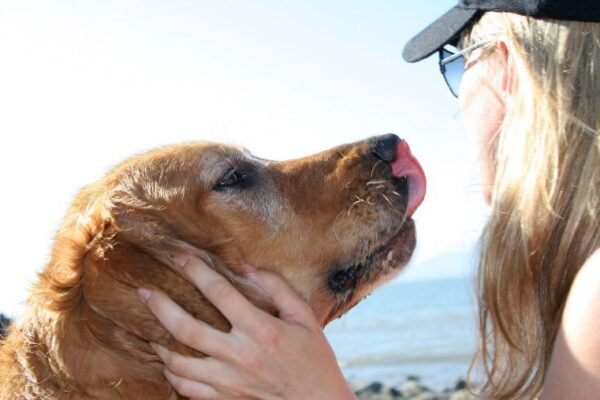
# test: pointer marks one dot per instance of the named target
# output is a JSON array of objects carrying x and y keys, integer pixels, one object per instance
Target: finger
[
  {"x": 190, "y": 388},
  {"x": 222, "y": 294},
  {"x": 185, "y": 328},
  {"x": 288, "y": 302},
  {"x": 209, "y": 371},
  {"x": 183, "y": 366}
]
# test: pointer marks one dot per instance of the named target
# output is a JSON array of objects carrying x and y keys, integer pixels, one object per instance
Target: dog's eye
[{"x": 233, "y": 178}]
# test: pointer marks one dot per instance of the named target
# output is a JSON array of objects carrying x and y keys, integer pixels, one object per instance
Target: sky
[{"x": 85, "y": 84}]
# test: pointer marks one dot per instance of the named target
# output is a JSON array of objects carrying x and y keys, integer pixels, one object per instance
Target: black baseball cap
[{"x": 449, "y": 26}]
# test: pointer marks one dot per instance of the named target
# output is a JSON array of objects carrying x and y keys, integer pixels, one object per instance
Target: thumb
[{"x": 287, "y": 301}]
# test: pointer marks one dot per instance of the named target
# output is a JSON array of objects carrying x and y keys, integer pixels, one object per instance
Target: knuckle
[
  {"x": 269, "y": 333},
  {"x": 187, "y": 332},
  {"x": 194, "y": 267},
  {"x": 249, "y": 359},
  {"x": 176, "y": 364},
  {"x": 189, "y": 388},
  {"x": 185, "y": 388},
  {"x": 218, "y": 288}
]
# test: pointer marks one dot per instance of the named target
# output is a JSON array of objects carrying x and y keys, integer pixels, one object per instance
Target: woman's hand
[{"x": 262, "y": 357}]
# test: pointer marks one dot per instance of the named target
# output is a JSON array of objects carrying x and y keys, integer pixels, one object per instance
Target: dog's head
[{"x": 335, "y": 225}]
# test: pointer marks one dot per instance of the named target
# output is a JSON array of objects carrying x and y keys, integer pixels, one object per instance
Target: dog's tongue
[{"x": 406, "y": 165}]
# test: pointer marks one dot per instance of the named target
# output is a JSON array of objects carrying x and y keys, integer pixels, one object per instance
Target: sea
[{"x": 406, "y": 329}]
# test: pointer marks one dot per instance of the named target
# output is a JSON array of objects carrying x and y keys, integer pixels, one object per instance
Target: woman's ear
[{"x": 509, "y": 73}]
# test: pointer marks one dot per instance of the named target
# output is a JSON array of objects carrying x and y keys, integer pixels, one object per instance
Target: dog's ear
[
  {"x": 144, "y": 236},
  {"x": 141, "y": 254},
  {"x": 87, "y": 231}
]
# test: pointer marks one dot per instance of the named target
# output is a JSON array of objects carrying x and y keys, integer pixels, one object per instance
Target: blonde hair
[{"x": 545, "y": 199}]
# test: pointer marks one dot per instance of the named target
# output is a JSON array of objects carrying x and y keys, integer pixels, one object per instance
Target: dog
[{"x": 335, "y": 225}]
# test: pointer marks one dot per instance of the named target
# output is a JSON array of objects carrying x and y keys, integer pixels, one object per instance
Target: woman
[{"x": 530, "y": 96}]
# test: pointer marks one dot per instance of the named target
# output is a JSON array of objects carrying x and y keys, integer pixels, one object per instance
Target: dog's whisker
[
  {"x": 396, "y": 193},
  {"x": 404, "y": 219},
  {"x": 335, "y": 221},
  {"x": 116, "y": 384},
  {"x": 354, "y": 227},
  {"x": 375, "y": 166},
  {"x": 369, "y": 202},
  {"x": 357, "y": 202},
  {"x": 375, "y": 182},
  {"x": 386, "y": 199}
]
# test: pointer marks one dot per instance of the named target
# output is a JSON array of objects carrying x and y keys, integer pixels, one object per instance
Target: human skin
[
  {"x": 482, "y": 102},
  {"x": 574, "y": 371},
  {"x": 289, "y": 357},
  {"x": 262, "y": 357}
]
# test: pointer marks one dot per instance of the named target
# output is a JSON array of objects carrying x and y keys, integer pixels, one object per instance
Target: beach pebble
[
  {"x": 370, "y": 389},
  {"x": 461, "y": 384},
  {"x": 411, "y": 389},
  {"x": 414, "y": 387}
]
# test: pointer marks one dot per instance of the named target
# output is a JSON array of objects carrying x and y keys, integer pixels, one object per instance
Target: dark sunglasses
[{"x": 452, "y": 64}]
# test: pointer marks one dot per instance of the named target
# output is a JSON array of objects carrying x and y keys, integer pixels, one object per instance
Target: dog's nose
[{"x": 384, "y": 147}]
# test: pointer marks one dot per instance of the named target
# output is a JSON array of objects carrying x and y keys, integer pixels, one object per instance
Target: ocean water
[{"x": 409, "y": 328}]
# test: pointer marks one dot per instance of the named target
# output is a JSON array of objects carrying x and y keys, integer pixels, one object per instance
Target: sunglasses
[{"x": 452, "y": 64}]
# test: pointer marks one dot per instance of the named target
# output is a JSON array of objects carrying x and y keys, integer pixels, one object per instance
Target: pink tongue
[{"x": 407, "y": 165}]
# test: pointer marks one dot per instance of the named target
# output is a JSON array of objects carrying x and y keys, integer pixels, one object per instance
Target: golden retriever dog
[{"x": 335, "y": 225}]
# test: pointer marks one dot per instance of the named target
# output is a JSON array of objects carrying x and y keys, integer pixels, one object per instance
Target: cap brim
[{"x": 440, "y": 32}]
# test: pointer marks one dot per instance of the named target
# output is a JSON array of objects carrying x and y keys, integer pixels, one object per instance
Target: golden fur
[{"x": 333, "y": 224}]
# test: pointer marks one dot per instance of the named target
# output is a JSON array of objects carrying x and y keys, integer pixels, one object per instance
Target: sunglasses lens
[{"x": 453, "y": 71}]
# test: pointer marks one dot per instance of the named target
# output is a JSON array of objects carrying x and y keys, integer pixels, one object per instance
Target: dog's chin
[
  {"x": 353, "y": 282},
  {"x": 387, "y": 261},
  {"x": 395, "y": 254}
]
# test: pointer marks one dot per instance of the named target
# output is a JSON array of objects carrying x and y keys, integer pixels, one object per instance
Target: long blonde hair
[{"x": 546, "y": 196}]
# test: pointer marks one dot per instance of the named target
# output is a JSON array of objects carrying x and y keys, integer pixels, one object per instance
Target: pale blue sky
[{"x": 84, "y": 84}]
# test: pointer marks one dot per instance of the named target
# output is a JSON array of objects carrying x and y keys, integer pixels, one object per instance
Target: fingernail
[
  {"x": 144, "y": 294},
  {"x": 180, "y": 260},
  {"x": 248, "y": 269},
  {"x": 161, "y": 351},
  {"x": 254, "y": 277},
  {"x": 251, "y": 275}
]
